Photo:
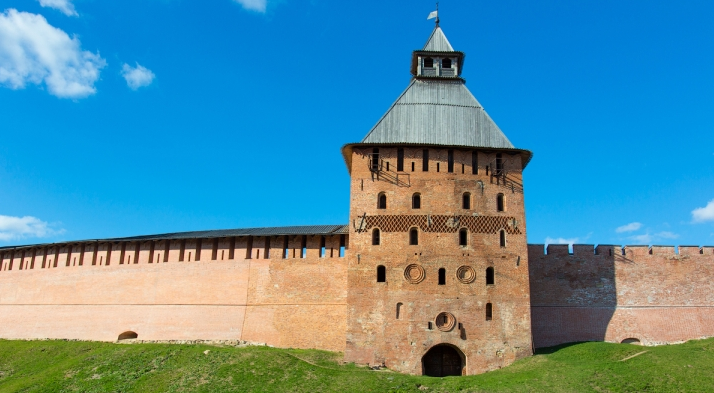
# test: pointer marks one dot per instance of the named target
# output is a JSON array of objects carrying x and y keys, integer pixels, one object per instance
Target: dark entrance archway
[{"x": 442, "y": 360}]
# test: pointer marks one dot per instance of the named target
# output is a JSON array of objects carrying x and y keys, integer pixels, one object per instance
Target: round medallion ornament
[
  {"x": 414, "y": 273},
  {"x": 466, "y": 274},
  {"x": 445, "y": 321}
]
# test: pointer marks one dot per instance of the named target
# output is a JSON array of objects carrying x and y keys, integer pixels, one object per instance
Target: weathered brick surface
[
  {"x": 374, "y": 334},
  {"x": 652, "y": 294}
]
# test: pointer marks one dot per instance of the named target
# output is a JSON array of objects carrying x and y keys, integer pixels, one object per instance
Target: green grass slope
[{"x": 67, "y": 366}]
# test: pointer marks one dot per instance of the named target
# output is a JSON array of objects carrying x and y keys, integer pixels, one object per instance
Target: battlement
[{"x": 623, "y": 250}]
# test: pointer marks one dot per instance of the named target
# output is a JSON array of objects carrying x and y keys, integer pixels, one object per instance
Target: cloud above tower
[
  {"x": 253, "y": 5},
  {"x": 33, "y": 51},
  {"x": 65, "y": 6},
  {"x": 138, "y": 76}
]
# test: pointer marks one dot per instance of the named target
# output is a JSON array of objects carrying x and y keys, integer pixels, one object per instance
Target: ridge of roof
[{"x": 438, "y": 42}]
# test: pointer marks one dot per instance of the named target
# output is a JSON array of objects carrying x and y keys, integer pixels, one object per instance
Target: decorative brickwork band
[
  {"x": 466, "y": 274},
  {"x": 440, "y": 224},
  {"x": 414, "y": 274}
]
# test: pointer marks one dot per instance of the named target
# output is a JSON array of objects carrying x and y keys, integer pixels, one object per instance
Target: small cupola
[{"x": 437, "y": 59}]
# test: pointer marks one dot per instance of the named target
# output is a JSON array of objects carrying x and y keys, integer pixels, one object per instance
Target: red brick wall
[
  {"x": 294, "y": 302},
  {"x": 652, "y": 294},
  {"x": 374, "y": 334}
]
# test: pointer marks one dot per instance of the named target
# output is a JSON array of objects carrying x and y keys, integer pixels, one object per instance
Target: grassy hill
[{"x": 67, "y": 366}]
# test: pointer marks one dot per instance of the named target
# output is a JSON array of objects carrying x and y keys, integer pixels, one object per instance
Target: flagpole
[{"x": 437, "y": 14}]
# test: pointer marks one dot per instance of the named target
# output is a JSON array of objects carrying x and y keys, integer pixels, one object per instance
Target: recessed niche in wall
[
  {"x": 414, "y": 273},
  {"x": 445, "y": 321},
  {"x": 466, "y": 274}
]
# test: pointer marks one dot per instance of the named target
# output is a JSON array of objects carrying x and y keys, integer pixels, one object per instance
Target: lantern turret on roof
[{"x": 437, "y": 109}]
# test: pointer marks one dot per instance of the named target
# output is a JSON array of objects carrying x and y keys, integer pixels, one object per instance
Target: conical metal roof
[{"x": 437, "y": 42}]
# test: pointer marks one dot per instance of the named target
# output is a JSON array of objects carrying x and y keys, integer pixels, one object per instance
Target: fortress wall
[
  {"x": 611, "y": 293},
  {"x": 97, "y": 290}
]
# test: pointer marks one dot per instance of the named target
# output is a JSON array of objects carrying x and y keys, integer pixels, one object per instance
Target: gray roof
[
  {"x": 437, "y": 42},
  {"x": 270, "y": 231},
  {"x": 438, "y": 112}
]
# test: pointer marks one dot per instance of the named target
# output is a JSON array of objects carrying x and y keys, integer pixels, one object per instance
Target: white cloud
[
  {"x": 560, "y": 240},
  {"x": 648, "y": 238},
  {"x": 20, "y": 227},
  {"x": 65, "y": 6},
  {"x": 138, "y": 76},
  {"x": 253, "y": 5},
  {"x": 631, "y": 227},
  {"x": 33, "y": 51},
  {"x": 705, "y": 213}
]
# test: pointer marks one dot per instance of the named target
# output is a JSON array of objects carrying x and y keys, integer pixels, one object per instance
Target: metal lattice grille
[{"x": 440, "y": 224}]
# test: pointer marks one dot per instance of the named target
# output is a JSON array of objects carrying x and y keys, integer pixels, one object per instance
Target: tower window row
[
  {"x": 414, "y": 237},
  {"x": 490, "y": 275},
  {"x": 465, "y": 201},
  {"x": 495, "y": 167}
]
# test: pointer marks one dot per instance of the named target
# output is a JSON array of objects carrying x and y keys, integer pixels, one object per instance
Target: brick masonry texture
[{"x": 274, "y": 291}]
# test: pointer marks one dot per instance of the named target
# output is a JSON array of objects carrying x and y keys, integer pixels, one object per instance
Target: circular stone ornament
[
  {"x": 445, "y": 321},
  {"x": 414, "y": 273},
  {"x": 466, "y": 274}
]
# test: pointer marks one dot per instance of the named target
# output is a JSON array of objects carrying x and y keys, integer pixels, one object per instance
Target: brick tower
[{"x": 438, "y": 261}]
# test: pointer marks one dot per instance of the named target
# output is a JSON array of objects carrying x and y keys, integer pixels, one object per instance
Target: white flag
[{"x": 433, "y": 14}]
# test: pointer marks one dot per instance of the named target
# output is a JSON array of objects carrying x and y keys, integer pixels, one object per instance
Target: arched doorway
[{"x": 442, "y": 360}]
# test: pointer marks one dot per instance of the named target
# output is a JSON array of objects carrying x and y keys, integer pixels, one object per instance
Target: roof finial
[{"x": 434, "y": 14}]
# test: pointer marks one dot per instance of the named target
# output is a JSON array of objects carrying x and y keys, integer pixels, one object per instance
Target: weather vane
[{"x": 435, "y": 14}]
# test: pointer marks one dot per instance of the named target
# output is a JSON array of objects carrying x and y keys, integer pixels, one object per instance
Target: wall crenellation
[{"x": 608, "y": 249}]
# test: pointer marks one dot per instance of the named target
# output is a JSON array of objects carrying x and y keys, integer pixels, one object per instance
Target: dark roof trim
[{"x": 270, "y": 231}]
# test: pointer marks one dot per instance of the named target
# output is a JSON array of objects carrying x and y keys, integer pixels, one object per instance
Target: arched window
[
  {"x": 503, "y": 238},
  {"x": 381, "y": 274},
  {"x": 375, "y": 237},
  {"x": 489, "y": 276},
  {"x": 489, "y": 311},
  {"x": 463, "y": 237},
  {"x": 399, "y": 310},
  {"x": 500, "y": 203},
  {"x": 466, "y": 200},
  {"x": 413, "y": 237},
  {"x": 442, "y": 276},
  {"x": 446, "y": 63},
  {"x": 416, "y": 201},
  {"x": 382, "y": 201},
  {"x": 429, "y": 62}
]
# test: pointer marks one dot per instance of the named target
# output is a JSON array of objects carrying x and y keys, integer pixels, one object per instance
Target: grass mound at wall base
[{"x": 72, "y": 366}]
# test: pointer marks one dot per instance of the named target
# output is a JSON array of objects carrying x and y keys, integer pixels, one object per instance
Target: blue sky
[{"x": 122, "y": 118}]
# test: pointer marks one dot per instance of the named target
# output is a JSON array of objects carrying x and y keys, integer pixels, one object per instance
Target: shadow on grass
[{"x": 550, "y": 350}]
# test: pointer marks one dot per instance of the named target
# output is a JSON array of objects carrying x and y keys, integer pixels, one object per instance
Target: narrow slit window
[
  {"x": 413, "y": 237},
  {"x": 249, "y": 248},
  {"x": 499, "y": 164},
  {"x": 500, "y": 205},
  {"x": 429, "y": 326},
  {"x": 285, "y": 247},
  {"x": 214, "y": 250},
  {"x": 375, "y": 237},
  {"x": 400, "y": 160},
  {"x": 416, "y": 201},
  {"x": 322, "y": 246},
  {"x": 342, "y": 246},
  {"x": 303, "y": 247},
  {"x": 442, "y": 276},
  {"x": 463, "y": 237},
  {"x": 381, "y": 274},
  {"x": 374, "y": 161},
  {"x": 199, "y": 243},
  {"x": 425, "y": 160},
  {"x": 266, "y": 252},
  {"x": 474, "y": 163},
  {"x": 466, "y": 200},
  {"x": 399, "y": 310},
  {"x": 450, "y": 161},
  {"x": 489, "y": 276},
  {"x": 412, "y": 166},
  {"x": 503, "y": 238},
  {"x": 382, "y": 201},
  {"x": 489, "y": 311},
  {"x": 438, "y": 166}
]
